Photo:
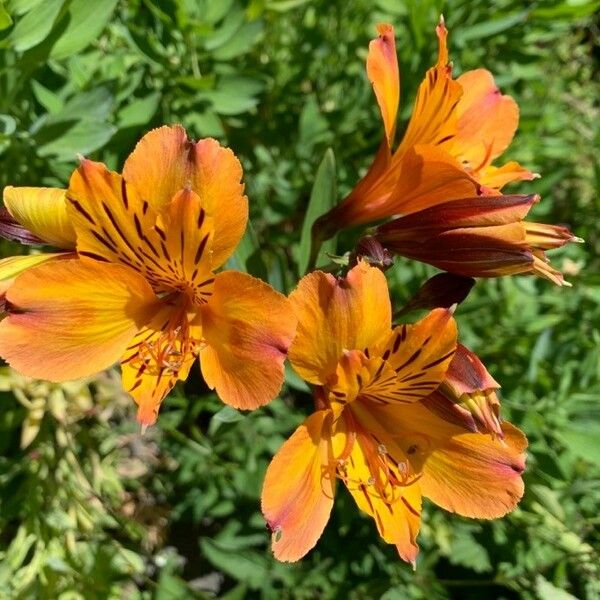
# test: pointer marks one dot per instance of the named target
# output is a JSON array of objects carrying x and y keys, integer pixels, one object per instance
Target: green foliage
[{"x": 88, "y": 507}]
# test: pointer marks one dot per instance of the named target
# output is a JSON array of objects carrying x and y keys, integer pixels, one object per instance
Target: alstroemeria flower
[
  {"x": 141, "y": 285},
  {"x": 457, "y": 128},
  {"x": 372, "y": 428},
  {"x": 484, "y": 236}
]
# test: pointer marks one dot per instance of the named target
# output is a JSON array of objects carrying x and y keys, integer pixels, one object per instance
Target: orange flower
[
  {"x": 140, "y": 286},
  {"x": 372, "y": 428},
  {"x": 457, "y": 128},
  {"x": 478, "y": 237}
]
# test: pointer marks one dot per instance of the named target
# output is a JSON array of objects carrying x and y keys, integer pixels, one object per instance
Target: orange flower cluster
[
  {"x": 439, "y": 185},
  {"x": 402, "y": 411}
]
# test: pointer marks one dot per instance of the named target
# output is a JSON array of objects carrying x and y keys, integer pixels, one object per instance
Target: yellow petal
[
  {"x": 71, "y": 318},
  {"x": 165, "y": 161},
  {"x": 335, "y": 315},
  {"x": 43, "y": 211},
  {"x": 298, "y": 490},
  {"x": 247, "y": 327},
  {"x": 420, "y": 354},
  {"x": 396, "y": 509},
  {"x": 161, "y": 354},
  {"x": 171, "y": 250}
]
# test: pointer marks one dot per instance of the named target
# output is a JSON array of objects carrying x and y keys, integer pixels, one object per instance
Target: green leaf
[
  {"x": 139, "y": 112},
  {"x": 547, "y": 591},
  {"x": 227, "y": 103},
  {"x": 322, "y": 198},
  {"x": 8, "y": 125},
  {"x": 313, "y": 128},
  {"x": 583, "y": 439},
  {"x": 5, "y": 19},
  {"x": 294, "y": 381},
  {"x": 247, "y": 566},
  {"x": 246, "y": 249},
  {"x": 226, "y": 415},
  {"x": 48, "y": 99},
  {"x": 243, "y": 40},
  {"x": 466, "y": 551},
  {"x": 487, "y": 29},
  {"x": 35, "y": 26},
  {"x": 213, "y": 12},
  {"x": 282, "y": 6},
  {"x": 85, "y": 22},
  {"x": 82, "y": 137}
]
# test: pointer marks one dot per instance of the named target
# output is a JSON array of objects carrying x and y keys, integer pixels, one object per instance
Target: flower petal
[
  {"x": 172, "y": 250},
  {"x": 248, "y": 328},
  {"x": 426, "y": 177},
  {"x": 473, "y": 474},
  {"x": 69, "y": 319},
  {"x": 111, "y": 219},
  {"x": 15, "y": 265},
  {"x": 165, "y": 161},
  {"x": 334, "y": 315},
  {"x": 187, "y": 247},
  {"x": 298, "y": 490},
  {"x": 477, "y": 475},
  {"x": 384, "y": 75},
  {"x": 434, "y": 116},
  {"x": 420, "y": 354},
  {"x": 487, "y": 120},
  {"x": 398, "y": 516},
  {"x": 496, "y": 178},
  {"x": 161, "y": 354},
  {"x": 43, "y": 211}
]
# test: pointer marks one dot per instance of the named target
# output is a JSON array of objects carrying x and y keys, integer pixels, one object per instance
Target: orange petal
[
  {"x": 172, "y": 250},
  {"x": 298, "y": 490},
  {"x": 42, "y": 211},
  {"x": 420, "y": 354},
  {"x": 165, "y": 161},
  {"x": 434, "y": 116},
  {"x": 188, "y": 242},
  {"x": 477, "y": 475},
  {"x": 384, "y": 75},
  {"x": 495, "y": 178},
  {"x": 247, "y": 327},
  {"x": 335, "y": 315},
  {"x": 71, "y": 318},
  {"x": 473, "y": 474},
  {"x": 161, "y": 354},
  {"x": 397, "y": 511},
  {"x": 487, "y": 120},
  {"x": 15, "y": 265},
  {"x": 111, "y": 219},
  {"x": 428, "y": 176}
]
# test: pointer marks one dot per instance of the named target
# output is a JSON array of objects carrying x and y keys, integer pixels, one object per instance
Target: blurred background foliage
[{"x": 88, "y": 507}]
